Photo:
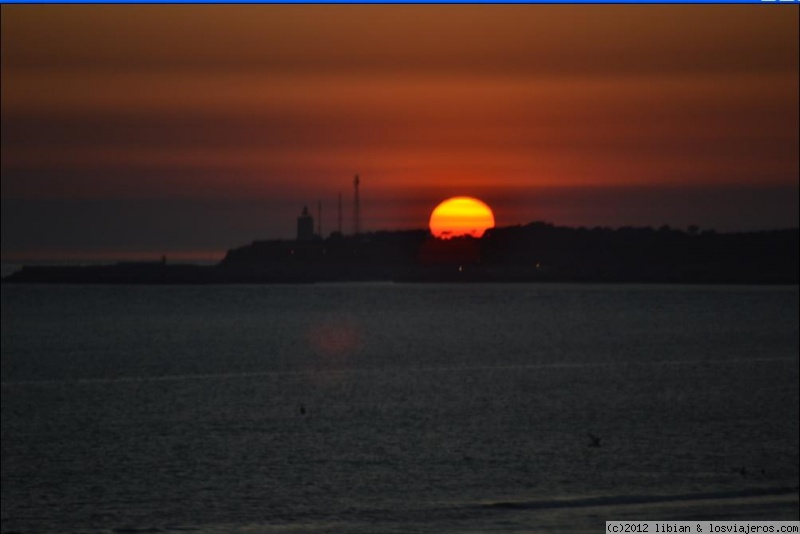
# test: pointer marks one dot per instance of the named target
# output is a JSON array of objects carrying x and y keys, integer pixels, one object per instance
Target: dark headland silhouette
[{"x": 537, "y": 252}]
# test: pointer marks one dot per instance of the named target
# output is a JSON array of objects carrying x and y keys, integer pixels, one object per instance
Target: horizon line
[{"x": 214, "y": 255}]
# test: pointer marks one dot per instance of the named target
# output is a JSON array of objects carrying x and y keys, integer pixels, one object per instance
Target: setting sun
[{"x": 459, "y": 216}]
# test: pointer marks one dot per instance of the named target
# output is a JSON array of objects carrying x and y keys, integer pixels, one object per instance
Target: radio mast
[
  {"x": 356, "y": 208},
  {"x": 340, "y": 214}
]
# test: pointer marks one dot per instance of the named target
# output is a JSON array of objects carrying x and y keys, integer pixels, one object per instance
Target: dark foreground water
[{"x": 396, "y": 408}]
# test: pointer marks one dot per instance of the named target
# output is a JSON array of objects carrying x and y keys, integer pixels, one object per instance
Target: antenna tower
[
  {"x": 340, "y": 214},
  {"x": 319, "y": 218},
  {"x": 356, "y": 208}
]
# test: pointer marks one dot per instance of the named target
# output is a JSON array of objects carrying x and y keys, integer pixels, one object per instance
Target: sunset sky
[{"x": 187, "y": 130}]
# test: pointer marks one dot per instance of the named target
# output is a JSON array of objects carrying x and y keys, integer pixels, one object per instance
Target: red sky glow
[{"x": 169, "y": 129}]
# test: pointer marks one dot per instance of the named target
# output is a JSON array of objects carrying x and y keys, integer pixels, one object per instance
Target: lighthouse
[{"x": 305, "y": 226}]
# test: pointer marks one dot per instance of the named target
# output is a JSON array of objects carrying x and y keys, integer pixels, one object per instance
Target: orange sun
[{"x": 459, "y": 216}]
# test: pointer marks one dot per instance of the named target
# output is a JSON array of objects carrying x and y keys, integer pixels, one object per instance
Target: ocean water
[{"x": 376, "y": 408}]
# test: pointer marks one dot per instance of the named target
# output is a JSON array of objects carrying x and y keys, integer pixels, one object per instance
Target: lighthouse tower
[{"x": 305, "y": 226}]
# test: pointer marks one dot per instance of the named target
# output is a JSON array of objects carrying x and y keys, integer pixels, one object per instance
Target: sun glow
[{"x": 460, "y": 216}]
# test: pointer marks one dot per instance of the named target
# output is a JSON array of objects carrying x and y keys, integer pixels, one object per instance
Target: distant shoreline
[
  {"x": 180, "y": 275},
  {"x": 537, "y": 252}
]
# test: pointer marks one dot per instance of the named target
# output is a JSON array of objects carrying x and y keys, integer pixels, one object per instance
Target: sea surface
[{"x": 377, "y": 408}]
